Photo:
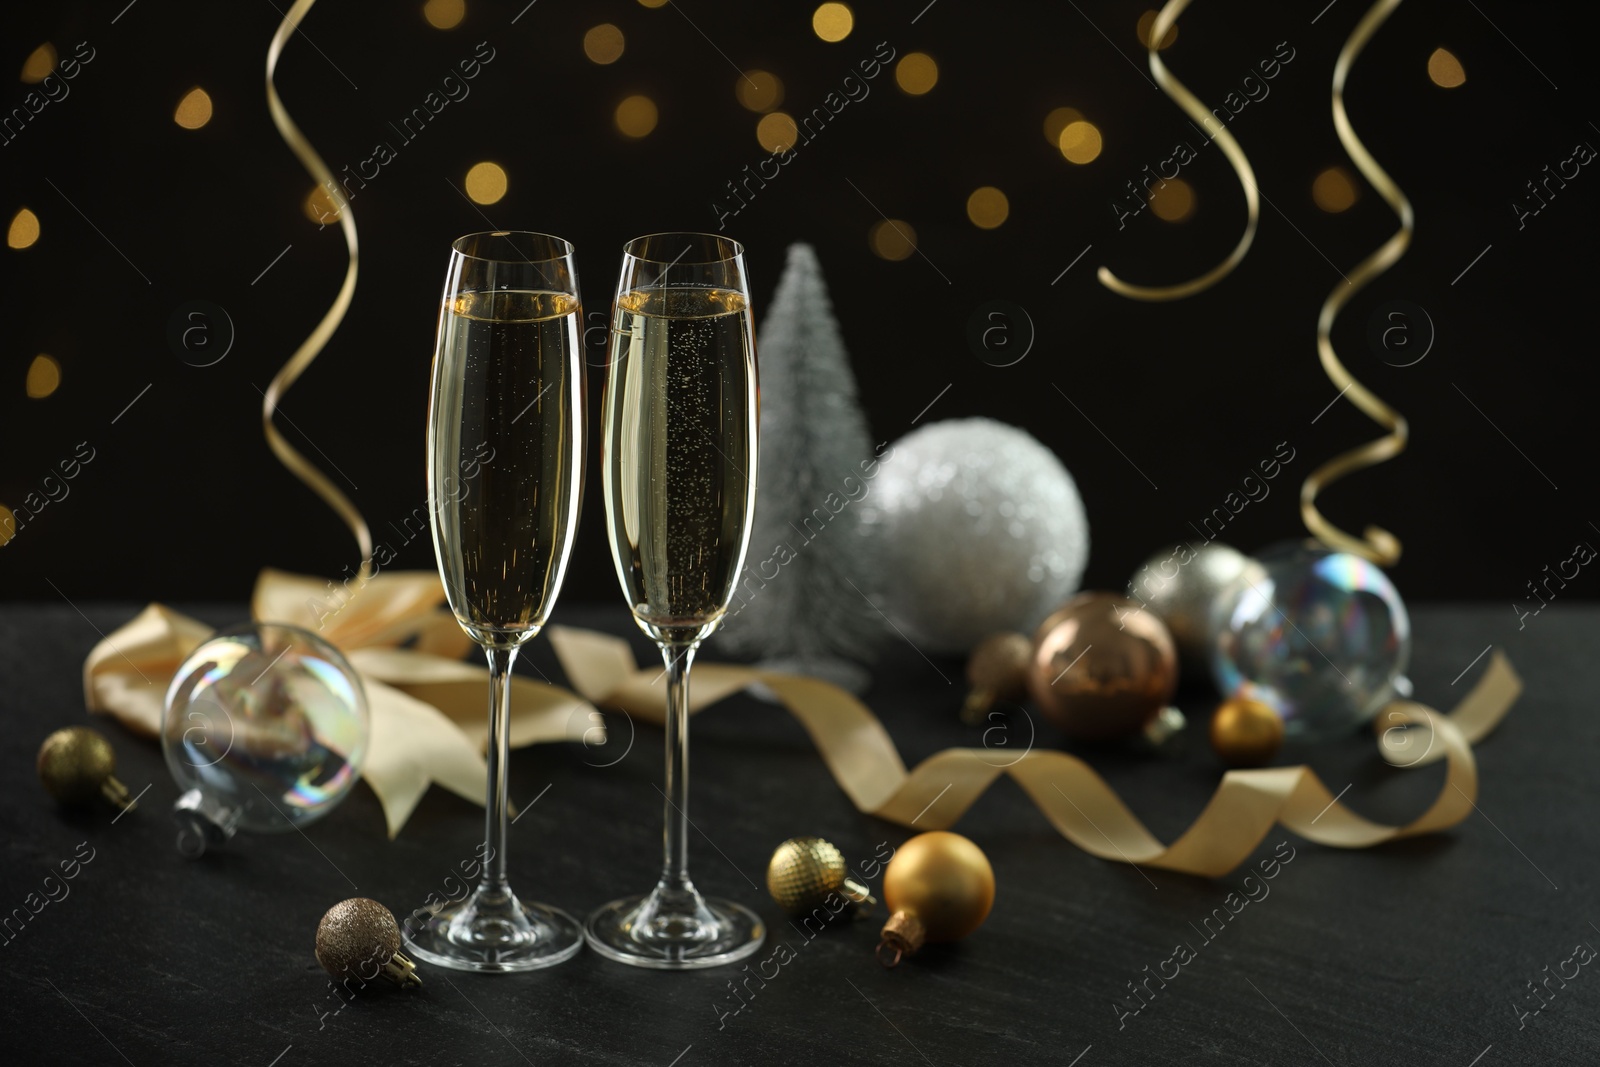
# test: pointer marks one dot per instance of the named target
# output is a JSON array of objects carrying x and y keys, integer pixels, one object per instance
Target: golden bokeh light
[
  {"x": 1445, "y": 69},
  {"x": 194, "y": 110},
  {"x": 603, "y": 44},
  {"x": 1080, "y": 142},
  {"x": 1334, "y": 190},
  {"x": 1147, "y": 22},
  {"x": 320, "y": 206},
  {"x": 44, "y": 376},
  {"x": 40, "y": 62},
  {"x": 1172, "y": 202},
  {"x": 636, "y": 116},
  {"x": 486, "y": 182},
  {"x": 444, "y": 14},
  {"x": 759, "y": 90},
  {"x": 8, "y": 524},
  {"x": 833, "y": 22},
  {"x": 916, "y": 73},
  {"x": 24, "y": 230},
  {"x": 988, "y": 207},
  {"x": 653, "y": 3},
  {"x": 777, "y": 131},
  {"x": 1058, "y": 120},
  {"x": 893, "y": 239}
]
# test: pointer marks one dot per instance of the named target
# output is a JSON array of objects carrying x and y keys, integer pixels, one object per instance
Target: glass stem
[
  {"x": 675, "y": 837},
  {"x": 494, "y": 807}
]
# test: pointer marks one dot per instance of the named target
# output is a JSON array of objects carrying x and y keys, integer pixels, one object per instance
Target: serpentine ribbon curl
[
  {"x": 1377, "y": 544},
  {"x": 1180, "y": 95},
  {"x": 1080, "y": 804},
  {"x": 428, "y": 727},
  {"x": 296, "y": 365}
]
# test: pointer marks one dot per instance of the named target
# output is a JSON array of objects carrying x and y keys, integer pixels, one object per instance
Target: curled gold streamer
[
  {"x": 1377, "y": 544},
  {"x": 1078, "y": 802},
  {"x": 1180, "y": 95},
  {"x": 296, "y": 365}
]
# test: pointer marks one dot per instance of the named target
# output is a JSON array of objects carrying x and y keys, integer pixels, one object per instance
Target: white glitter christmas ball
[{"x": 974, "y": 528}]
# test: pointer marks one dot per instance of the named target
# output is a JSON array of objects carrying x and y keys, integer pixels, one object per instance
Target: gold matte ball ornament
[
  {"x": 997, "y": 670},
  {"x": 77, "y": 764},
  {"x": 805, "y": 871},
  {"x": 358, "y": 938},
  {"x": 1103, "y": 667},
  {"x": 1246, "y": 732},
  {"x": 939, "y": 887}
]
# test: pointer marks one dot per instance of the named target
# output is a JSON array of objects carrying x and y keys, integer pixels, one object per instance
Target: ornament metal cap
[
  {"x": 76, "y": 764},
  {"x": 902, "y": 936},
  {"x": 203, "y": 822},
  {"x": 805, "y": 871}
]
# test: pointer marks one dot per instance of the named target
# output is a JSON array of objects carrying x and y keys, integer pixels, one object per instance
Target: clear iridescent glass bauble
[
  {"x": 265, "y": 729},
  {"x": 1323, "y": 637}
]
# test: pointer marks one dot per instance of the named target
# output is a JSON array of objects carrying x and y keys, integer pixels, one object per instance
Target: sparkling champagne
[
  {"x": 680, "y": 418},
  {"x": 505, "y": 446}
]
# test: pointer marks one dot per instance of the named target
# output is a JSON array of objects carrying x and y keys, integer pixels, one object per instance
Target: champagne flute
[
  {"x": 505, "y": 468},
  {"x": 679, "y": 460}
]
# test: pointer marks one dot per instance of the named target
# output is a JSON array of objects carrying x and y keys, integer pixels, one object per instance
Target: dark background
[{"x": 183, "y": 500}]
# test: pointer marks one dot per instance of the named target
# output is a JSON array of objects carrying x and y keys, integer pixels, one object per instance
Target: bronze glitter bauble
[
  {"x": 939, "y": 887},
  {"x": 805, "y": 871},
  {"x": 1102, "y": 667},
  {"x": 1245, "y": 732},
  {"x": 77, "y": 764},
  {"x": 997, "y": 670},
  {"x": 358, "y": 938}
]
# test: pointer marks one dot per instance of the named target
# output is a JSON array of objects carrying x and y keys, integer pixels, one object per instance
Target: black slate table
[{"x": 1419, "y": 952}]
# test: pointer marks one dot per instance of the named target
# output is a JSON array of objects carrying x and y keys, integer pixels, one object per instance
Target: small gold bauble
[
  {"x": 997, "y": 670},
  {"x": 939, "y": 887},
  {"x": 358, "y": 938},
  {"x": 805, "y": 871},
  {"x": 1246, "y": 732},
  {"x": 77, "y": 764}
]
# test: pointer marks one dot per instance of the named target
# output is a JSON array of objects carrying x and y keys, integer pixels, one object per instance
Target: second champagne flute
[{"x": 679, "y": 459}]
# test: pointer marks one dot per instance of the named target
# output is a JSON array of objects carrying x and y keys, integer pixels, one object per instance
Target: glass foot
[
  {"x": 493, "y": 931},
  {"x": 674, "y": 930}
]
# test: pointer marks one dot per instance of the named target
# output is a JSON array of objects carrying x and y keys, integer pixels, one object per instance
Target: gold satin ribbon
[
  {"x": 1076, "y": 800},
  {"x": 291, "y": 458},
  {"x": 1377, "y": 544},
  {"x": 1191, "y": 105},
  {"x": 429, "y": 725},
  {"x": 428, "y": 709}
]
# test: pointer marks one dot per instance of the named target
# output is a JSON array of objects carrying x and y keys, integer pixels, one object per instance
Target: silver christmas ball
[
  {"x": 1180, "y": 583},
  {"x": 975, "y": 527}
]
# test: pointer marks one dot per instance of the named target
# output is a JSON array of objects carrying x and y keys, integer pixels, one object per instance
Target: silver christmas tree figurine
[{"x": 799, "y": 606}]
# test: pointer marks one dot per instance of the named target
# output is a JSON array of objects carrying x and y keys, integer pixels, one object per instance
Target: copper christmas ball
[
  {"x": 1245, "y": 732},
  {"x": 939, "y": 887},
  {"x": 1102, "y": 667}
]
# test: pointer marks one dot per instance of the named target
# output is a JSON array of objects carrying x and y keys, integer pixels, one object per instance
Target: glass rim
[
  {"x": 733, "y": 249},
  {"x": 459, "y": 246}
]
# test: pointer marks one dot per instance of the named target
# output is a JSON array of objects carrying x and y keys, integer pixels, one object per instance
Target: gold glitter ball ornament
[
  {"x": 358, "y": 938},
  {"x": 939, "y": 887},
  {"x": 998, "y": 670},
  {"x": 805, "y": 871},
  {"x": 77, "y": 764},
  {"x": 1245, "y": 732}
]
